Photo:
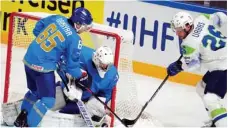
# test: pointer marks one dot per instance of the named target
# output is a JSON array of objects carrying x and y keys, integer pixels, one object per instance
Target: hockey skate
[
  {"x": 21, "y": 120},
  {"x": 208, "y": 123}
]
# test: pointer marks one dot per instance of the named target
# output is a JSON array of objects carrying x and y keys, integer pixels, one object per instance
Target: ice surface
[{"x": 175, "y": 104}]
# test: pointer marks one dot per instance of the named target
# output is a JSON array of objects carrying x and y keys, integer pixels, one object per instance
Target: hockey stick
[
  {"x": 125, "y": 124},
  {"x": 65, "y": 83},
  {"x": 132, "y": 122}
]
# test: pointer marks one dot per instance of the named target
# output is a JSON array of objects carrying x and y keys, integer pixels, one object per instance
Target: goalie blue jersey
[
  {"x": 55, "y": 36},
  {"x": 100, "y": 86}
]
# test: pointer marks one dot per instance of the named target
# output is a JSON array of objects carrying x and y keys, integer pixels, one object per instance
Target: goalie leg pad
[
  {"x": 70, "y": 108},
  {"x": 10, "y": 112},
  {"x": 39, "y": 109},
  {"x": 29, "y": 101},
  {"x": 59, "y": 98},
  {"x": 96, "y": 108},
  {"x": 56, "y": 119}
]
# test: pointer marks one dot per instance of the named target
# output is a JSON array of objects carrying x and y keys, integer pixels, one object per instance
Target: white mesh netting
[{"x": 126, "y": 102}]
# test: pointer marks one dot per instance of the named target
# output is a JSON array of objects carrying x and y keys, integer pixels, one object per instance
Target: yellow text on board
[{"x": 63, "y": 7}]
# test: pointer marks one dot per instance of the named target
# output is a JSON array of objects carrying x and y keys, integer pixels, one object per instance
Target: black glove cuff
[
  {"x": 179, "y": 65},
  {"x": 78, "y": 85}
]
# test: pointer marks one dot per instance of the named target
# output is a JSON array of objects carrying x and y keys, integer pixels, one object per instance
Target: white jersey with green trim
[{"x": 205, "y": 46}]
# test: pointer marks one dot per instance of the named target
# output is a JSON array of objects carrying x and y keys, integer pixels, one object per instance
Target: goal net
[{"x": 124, "y": 97}]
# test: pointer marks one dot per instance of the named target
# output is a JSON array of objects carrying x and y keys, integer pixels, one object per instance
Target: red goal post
[{"x": 118, "y": 36}]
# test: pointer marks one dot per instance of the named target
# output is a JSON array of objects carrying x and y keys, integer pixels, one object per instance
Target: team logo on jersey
[
  {"x": 187, "y": 50},
  {"x": 183, "y": 51}
]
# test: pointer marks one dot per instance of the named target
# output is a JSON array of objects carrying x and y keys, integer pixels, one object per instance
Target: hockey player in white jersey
[{"x": 204, "y": 46}]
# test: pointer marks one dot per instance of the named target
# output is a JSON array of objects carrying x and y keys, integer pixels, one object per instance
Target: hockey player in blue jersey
[
  {"x": 102, "y": 78},
  {"x": 55, "y": 35}
]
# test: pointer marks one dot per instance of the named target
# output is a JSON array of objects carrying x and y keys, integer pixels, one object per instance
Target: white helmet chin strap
[
  {"x": 77, "y": 27},
  {"x": 101, "y": 72}
]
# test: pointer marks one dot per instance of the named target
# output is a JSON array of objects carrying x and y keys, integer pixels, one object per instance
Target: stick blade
[{"x": 128, "y": 122}]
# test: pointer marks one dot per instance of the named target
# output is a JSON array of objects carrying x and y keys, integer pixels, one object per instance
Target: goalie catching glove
[{"x": 74, "y": 92}]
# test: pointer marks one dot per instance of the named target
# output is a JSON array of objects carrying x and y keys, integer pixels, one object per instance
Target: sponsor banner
[
  {"x": 156, "y": 45},
  {"x": 63, "y": 7}
]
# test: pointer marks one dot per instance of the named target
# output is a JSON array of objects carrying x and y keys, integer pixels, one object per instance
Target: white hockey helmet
[
  {"x": 180, "y": 20},
  {"x": 103, "y": 58}
]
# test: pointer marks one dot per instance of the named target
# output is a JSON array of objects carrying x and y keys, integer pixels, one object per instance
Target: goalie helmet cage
[{"x": 124, "y": 96}]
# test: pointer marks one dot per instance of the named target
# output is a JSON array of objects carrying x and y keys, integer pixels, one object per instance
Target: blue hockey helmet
[{"x": 81, "y": 16}]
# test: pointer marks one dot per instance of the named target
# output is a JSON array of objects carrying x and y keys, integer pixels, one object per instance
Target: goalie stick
[
  {"x": 125, "y": 124},
  {"x": 86, "y": 116},
  {"x": 65, "y": 83},
  {"x": 132, "y": 122}
]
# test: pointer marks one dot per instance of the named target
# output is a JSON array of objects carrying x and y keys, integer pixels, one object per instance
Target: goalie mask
[{"x": 103, "y": 59}]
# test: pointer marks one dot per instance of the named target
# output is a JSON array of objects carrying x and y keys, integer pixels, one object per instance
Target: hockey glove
[
  {"x": 174, "y": 68},
  {"x": 62, "y": 63},
  {"x": 73, "y": 93},
  {"x": 84, "y": 75}
]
